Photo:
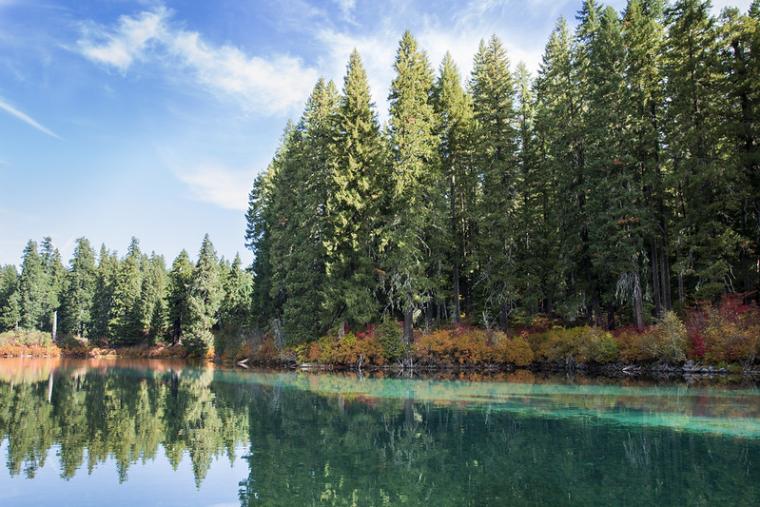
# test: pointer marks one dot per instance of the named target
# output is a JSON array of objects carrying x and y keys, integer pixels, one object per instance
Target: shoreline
[{"x": 177, "y": 352}]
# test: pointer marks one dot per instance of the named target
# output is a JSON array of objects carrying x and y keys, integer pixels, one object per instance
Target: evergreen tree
[
  {"x": 9, "y": 298},
  {"x": 79, "y": 292},
  {"x": 151, "y": 307},
  {"x": 124, "y": 325},
  {"x": 616, "y": 239},
  {"x": 300, "y": 194},
  {"x": 557, "y": 148},
  {"x": 32, "y": 289},
  {"x": 453, "y": 108},
  {"x": 493, "y": 96},
  {"x": 643, "y": 98},
  {"x": 258, "y": 240},
  {"x": 414, "y": 148},
  {"x": 204, "y": 299},
  {"x": 178, "y": 292},
  {"x": 528, "y": 204},
  {"x": 706, "y": 244},
  {"x": 237, "y": 285},
  {"x": 56, "y": 276},
  {"x": 354, "y": 194},
  {"x": 740, "y": 55},
  {"x": 108, "y": 265}
]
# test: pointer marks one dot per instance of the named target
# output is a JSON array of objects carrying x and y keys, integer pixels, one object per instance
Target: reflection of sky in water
[{"x": 154, "y": 479}]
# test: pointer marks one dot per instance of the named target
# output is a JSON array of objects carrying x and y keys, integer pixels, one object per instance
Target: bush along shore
[{"x": 710, "y": 339}]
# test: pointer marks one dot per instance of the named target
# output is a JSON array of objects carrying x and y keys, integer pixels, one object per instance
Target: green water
[{"x": 151, "y": 433}]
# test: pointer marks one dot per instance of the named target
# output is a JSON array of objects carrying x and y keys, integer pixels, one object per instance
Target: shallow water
[{"x": 163, "y": 433}]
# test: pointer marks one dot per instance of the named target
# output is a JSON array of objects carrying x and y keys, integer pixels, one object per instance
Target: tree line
[
  {"x": 621, "y": 182},
  {"x": 130, "y": 300}
]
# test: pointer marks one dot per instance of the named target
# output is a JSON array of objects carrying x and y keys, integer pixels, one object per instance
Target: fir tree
[
  {"x": 204, "y": 299},
  {"x": 108, "y": 265},
  {"x": 354, "y": 195},
  {"x": 33, "y": 293},
  {"x": 124, "y": 325},
  {"x": 453, "y": 108},
  {"x": 493, "y": 96},
  {"x": 9, "y": 298},
  {"x": 178, "y": 291},
  {"x": 414, "y": 148},
  {"x": 79, "y": 293},
  {"x": 235, "y": 307}
]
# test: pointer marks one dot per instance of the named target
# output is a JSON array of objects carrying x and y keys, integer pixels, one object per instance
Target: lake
[{"x": 108, "y": 432}]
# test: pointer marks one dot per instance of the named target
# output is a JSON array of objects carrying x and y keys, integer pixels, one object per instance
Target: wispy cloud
[
  {"x": 26, "y": 119},
  {"x": 121, "y": 45},
  {"x": 273, "y": 84},
  {"x": 219, "y": 185}
]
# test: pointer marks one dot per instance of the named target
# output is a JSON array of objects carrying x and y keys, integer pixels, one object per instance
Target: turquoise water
[{"x": 157, "y": 433}]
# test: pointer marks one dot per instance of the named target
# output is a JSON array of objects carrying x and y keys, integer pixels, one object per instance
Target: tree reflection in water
[{"x": 344, "y": 440}]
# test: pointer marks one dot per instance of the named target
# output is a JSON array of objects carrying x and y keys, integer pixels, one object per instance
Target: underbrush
[{"x": 19, "y": 343}]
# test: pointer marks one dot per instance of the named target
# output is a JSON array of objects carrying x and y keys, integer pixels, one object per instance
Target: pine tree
[
  {"x": 108, "y": 265},
  {"x": 493, "y": 96},
  {"x": 740, "y": 55},
  {"x": 178, "y": 291},
  {"x": 32, "y": 289},
  {"x": 300, "y": 188},
  {"x": 204, "y": 299},
  {"x": 258, "y": 240},
  {"x": 643, "y": 36},
  {"x": 124, "y": 325},
  {"x": 528, "y": 205},
  {"x": 706, "y": 244},
  {"x": 414, "y": 150},
  {"x": 354, "y": 196},
  {"x": 235, "y": 307},
  {"x": 56, "y": 275},
  {"x": 557, "y": 148},
  {"x": 79, "y": 293},
  {"x": 614, "y": 206},
  {"x": 9, "y": 298},
  {"x": 453, "y": 108},
  {"x": 151, "y": 308}
]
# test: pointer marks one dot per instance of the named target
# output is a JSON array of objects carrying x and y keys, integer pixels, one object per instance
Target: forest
[{"x": 617, "y": 185}]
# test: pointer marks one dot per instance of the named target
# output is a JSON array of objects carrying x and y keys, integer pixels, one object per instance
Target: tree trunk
[
  {"x": 408, "y": 326},
  {"x": 457, "y": 305},
  {"x": 656, "y": 289},
  {"x": 638, "y": 303}
]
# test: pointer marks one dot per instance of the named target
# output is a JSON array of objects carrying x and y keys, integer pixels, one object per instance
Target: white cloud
[
  {"x": 26, "y": 119},
  {"x": 219, "y": 185},
  {"x": 120, "y": 46},
  {"x": 271, "y": 85}
]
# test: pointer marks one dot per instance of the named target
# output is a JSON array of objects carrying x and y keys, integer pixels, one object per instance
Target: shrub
[
  {"x": 515, "y": 351},
  {"x": 666, "y": 341},
  {"x": 199, "y": 343},
  {"x": 729, "y": 333},
  {"x": 26, "y": 338},
  {"x": 390, "y": 338},
  {"x": 460, "y": 346},
  {"x": 597, "y": 346}
]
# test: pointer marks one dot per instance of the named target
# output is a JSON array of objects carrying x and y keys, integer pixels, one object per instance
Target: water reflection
[{"x": 308, "y": 439}]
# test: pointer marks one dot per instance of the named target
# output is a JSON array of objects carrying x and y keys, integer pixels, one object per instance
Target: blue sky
[{"x": 144, "y": 118}]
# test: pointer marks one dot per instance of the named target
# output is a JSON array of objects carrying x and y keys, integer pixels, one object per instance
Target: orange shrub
[
  {"x": 665, "y": 341},
  {"x": 515, "y": 351},
  {"x": 461, "y": 346}
]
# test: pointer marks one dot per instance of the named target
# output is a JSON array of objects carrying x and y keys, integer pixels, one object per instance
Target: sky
[{"x": 151, "y": 118}]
